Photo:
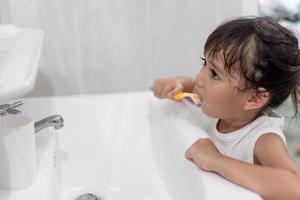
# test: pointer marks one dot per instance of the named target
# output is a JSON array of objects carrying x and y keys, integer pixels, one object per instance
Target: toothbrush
[{"x": 191, "y": 96}]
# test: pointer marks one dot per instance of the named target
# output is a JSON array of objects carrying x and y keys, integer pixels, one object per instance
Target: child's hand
[
  {"x": 167, "y": 87},
  {"x": 203, "y": 153}
]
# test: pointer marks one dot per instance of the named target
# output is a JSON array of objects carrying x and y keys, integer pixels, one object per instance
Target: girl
[{"x": 251, "y": 65}]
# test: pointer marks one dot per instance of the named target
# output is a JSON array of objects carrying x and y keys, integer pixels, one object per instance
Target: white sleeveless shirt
[{"x": 240, "y": 144}]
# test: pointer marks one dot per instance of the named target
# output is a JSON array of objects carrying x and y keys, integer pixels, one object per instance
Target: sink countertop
[{"x": 76, "y": 110}]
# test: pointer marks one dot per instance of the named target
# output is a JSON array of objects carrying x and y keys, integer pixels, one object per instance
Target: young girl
[{"x": 251, "y": 65}]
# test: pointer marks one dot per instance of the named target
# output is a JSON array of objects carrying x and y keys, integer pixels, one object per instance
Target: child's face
[{"x": 219, "y": 90}]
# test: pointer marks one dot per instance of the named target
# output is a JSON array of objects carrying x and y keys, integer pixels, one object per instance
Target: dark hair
[{"x": 262, "y": 52}]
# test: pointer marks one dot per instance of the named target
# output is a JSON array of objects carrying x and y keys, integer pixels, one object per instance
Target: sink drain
[{"x": 87, "y": 196}]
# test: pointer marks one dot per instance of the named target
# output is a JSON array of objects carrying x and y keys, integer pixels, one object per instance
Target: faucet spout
[{"x": 55, "y": 121}]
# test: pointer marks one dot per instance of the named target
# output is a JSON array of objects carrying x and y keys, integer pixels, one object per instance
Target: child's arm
[
  {"x": 278, "y": 178},
  {"x": 169, "y": 87}
]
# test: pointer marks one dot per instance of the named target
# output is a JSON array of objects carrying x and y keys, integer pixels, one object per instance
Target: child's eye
[
  {"x": 214, "y": 75},
  {"x": 204, "y": 61}
]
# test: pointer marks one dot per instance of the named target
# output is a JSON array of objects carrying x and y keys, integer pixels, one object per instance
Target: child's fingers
[
  {"x": 166, "y": 88},
  {"x": 158, "y": 88},
  {"x": 176, "y": 90},
  {"x": 166, "y": 91}
]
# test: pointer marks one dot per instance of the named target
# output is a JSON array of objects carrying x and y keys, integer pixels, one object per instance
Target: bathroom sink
[
  {"x": 127, "y": 146},
  {"x": 19, "y": 54},
  {"x": 131, "y": 146}
]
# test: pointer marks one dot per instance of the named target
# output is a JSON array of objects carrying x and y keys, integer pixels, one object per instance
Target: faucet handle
[
  {"x": 13, "y": 111},
  {"x": 10, "y": 108},
  {"x": 16, "y": 104}
]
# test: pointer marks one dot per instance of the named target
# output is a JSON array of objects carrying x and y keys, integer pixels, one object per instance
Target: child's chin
[
  {"x": 208, "y": 112},
  {"x": 205, "y": 111}
]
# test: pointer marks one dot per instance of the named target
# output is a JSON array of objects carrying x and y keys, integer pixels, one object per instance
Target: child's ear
[{"x": 257, "y": 100}]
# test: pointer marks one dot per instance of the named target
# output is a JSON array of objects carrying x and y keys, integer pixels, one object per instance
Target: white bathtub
[{"x": 127, "y": 146}]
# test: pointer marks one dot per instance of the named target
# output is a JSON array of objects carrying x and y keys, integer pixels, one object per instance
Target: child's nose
[{"x": 200, "y": 78}]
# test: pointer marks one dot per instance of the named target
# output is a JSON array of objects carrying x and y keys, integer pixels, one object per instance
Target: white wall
[{"x": 94, "y": 46}]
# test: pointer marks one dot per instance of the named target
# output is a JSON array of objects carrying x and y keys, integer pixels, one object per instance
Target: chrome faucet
[
  {"x": 6, "y": 109},
  {"x": 55, "y": 121}
]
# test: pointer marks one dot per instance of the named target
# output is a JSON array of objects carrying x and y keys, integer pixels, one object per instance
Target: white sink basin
[
  {"x": 131, "y": 146},
  {"x": 126, "y": 146},
  {"x": 19, "y": 54}
]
